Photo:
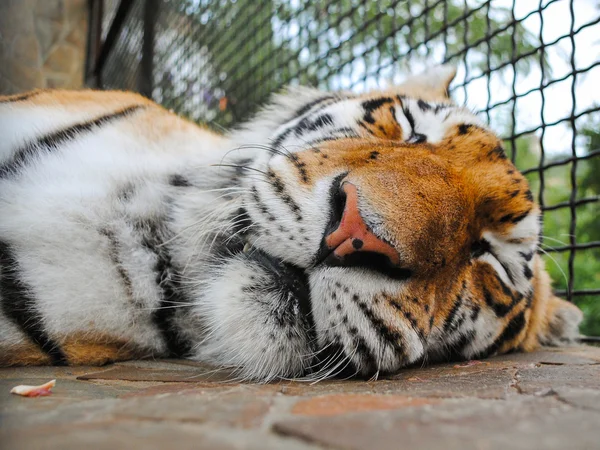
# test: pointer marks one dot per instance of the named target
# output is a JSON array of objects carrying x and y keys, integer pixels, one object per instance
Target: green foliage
[{"x": 255, "y": 48}]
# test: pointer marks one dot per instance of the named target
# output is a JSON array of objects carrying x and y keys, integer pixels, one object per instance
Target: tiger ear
[{"x": 433, "y": 82}]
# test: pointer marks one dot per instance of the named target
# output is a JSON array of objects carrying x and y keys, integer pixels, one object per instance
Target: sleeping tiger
[{"x": 334, "y": 234}]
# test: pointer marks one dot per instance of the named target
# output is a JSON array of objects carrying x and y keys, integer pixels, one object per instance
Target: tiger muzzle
[{"x": 352, "y": 243}]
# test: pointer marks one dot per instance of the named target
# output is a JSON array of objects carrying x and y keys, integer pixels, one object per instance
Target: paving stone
[
  {"x": 532, "y": 380},
  {"x": 125, "y": 434},
  {"x": 581, "y": 398},
  {"x": 66, "y": 391},
  {"x": 242, "y": 407},
  {"x": 175, "y": 388},
  {"x": 447, "y": 381},
  {"x": 335, "y": 404},
  {"x": 299, "y": 388},
  {"x": 175, "y": 364},
  {"x": 47, "y": 372},
  {"x": 549, "y": 399},
  {"x": 454, "y": 424},
  {"x": 558, "y": 356},
  {"x": 487, "y": 380},
  {"x": 170, "y": 374}
]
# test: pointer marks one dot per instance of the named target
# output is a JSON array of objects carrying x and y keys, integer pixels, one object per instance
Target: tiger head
[{"x": 401, "y": 218}]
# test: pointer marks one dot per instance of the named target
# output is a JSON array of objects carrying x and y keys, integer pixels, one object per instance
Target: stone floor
[{"x": 544, "y": 400}]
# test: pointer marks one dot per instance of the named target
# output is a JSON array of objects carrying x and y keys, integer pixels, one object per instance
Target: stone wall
[{"x": 42, "y": 44}]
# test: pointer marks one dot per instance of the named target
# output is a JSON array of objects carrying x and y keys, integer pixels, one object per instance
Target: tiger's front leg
[{"x": 258, "y": 317}]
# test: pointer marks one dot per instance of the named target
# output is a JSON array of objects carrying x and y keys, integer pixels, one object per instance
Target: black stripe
[
  {"x": 393, "y": 113},
  {"x": 464, "y": 128},
  {"x": 527, "y": 272},
  {"x": 529, "y": 298},
  {"x": 332, "y": 355},
  {"x": 178, "y": 180},
  {"x": 506, "y": 218},
  {"x": 277, "y": 141},
  {"x": 371, "y": 105},
  {"x": 475, "y": 312},
  {"x": 242, "y": 223},
  {"x": 306, "y": 108},
  {"x": 527, "y": 256},
  {"x": 18, "y": 304},
  {"x": 456, "y": 352},
  {"x": 306, "y": 124},
  {"x": 452, "y": 314},
  {"x": 505, "y": 289},
  {"x": 290, "y": 282},
  {"x": 264, "y": 209},
  {"x": 282, "y": 137},
  {"x": 364, "y": 352},
  {"x": 407, "y": 114},
  {"x": 376, "y": 103},
  {"x": 301, "y": 166},
  {"x": 334, "y": 135},
  {"x": 411, "y": 320},
  {"x": 498, "y": 152},
  {"x": 520, "y": 217},
  {"x": 362, "y": 125},
  {"x": 505, "y": 267},
  {"x": 116, "y": 260},
  {"x": 323, "y": 120},
  {"x": 390, "y": 337},
  {"x": 439, "y": 107},
  {"x": 346, "y": 132},
  {"x": 154, "y": 234},
  {"x": 414, "y": 138},
  {"x": 282, "y": 192},
  {"x": 21, "y": 97},
  {"x": 512, "y": 330},
  {"x": 423, "y": 105},
  {"x": 500, "y": 309},
  {"x": 52, "y": 142}
]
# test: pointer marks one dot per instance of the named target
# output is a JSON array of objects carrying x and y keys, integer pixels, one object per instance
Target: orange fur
[
  {"x": 27, "y": 354},
  {"x": 80, "y": 349}
]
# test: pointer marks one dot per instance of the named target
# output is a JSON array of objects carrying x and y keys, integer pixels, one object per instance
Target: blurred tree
[
  {"x": 255, "y": 48},
  {"x": 557, "y": 222}
]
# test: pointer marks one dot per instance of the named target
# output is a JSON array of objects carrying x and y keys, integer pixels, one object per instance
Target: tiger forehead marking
[{"x": 332, "y": 235}]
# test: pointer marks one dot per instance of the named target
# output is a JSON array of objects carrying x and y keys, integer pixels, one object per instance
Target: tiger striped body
[{"x": 127, "y": 232}]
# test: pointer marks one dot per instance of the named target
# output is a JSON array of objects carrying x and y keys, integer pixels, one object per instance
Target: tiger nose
[{"x": 353, "y": 235}]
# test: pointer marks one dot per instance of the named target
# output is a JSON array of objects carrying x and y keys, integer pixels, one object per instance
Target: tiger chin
[{"x": 334, "y": 234}]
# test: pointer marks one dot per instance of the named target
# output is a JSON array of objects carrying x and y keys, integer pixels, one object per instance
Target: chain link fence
[{"x": 529, "y": 68}]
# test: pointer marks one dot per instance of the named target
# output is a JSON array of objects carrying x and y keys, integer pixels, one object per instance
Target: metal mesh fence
[{"x": 528, "y": 67}]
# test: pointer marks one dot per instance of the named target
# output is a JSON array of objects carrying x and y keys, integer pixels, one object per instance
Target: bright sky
[{"x": 557, "y": 22}]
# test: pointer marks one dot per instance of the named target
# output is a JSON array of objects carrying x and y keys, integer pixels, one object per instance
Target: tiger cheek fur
[{"x": 333, "y": 234}]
